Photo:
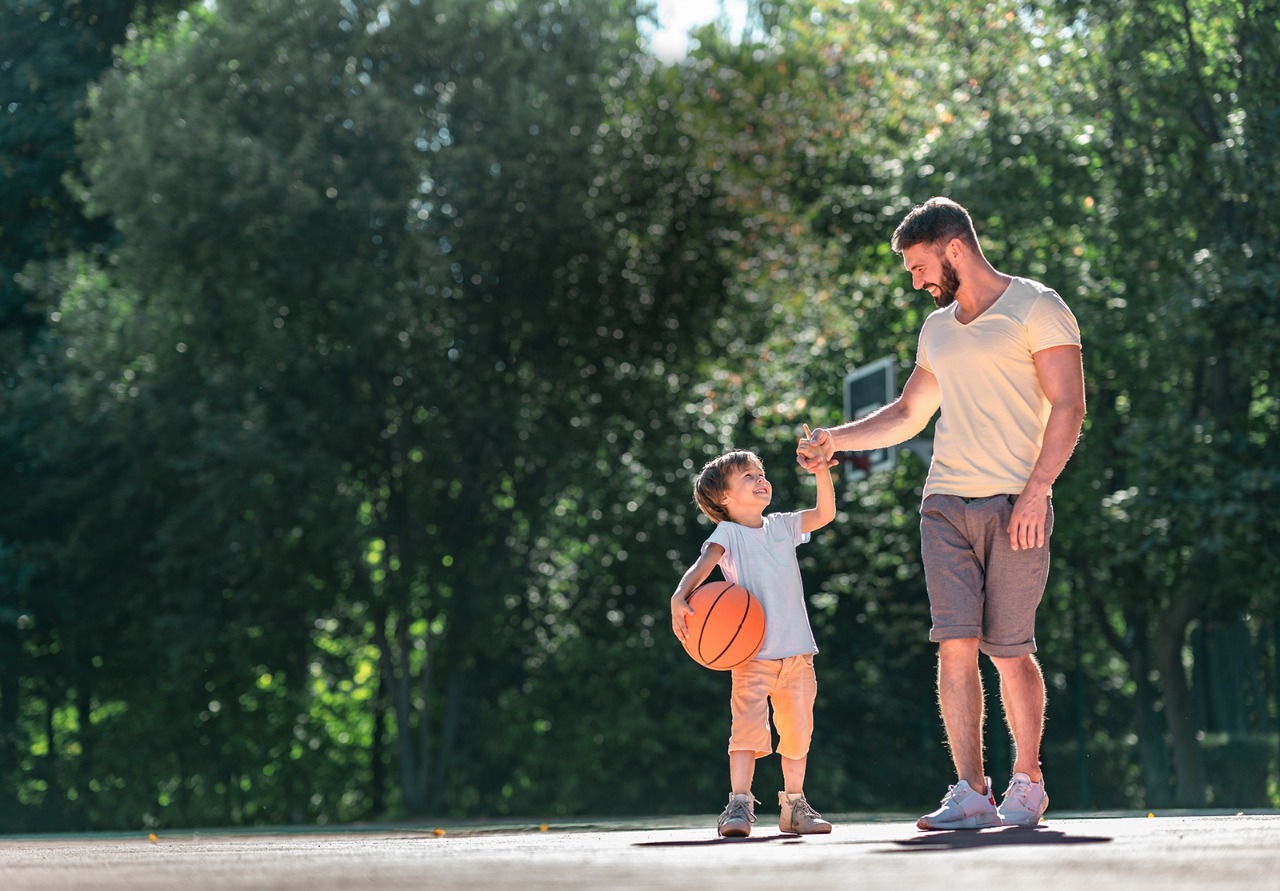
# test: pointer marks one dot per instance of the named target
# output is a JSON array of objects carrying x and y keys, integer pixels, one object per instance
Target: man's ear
[{"x": 955, "y": 247}]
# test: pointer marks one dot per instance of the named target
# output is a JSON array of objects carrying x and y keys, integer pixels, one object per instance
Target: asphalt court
[{"x": 1096, "y": 852}]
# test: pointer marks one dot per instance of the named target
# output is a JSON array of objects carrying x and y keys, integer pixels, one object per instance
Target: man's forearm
[{"x": 1061, "y": 433}]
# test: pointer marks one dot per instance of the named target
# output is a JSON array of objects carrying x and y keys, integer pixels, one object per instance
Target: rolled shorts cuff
[
  {"x": 970, "y": 632},
  {"x": 955, "y": 632},
  {"x": 1004, "y": 651}
]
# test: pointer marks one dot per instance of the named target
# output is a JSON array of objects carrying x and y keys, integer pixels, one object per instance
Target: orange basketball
[{"x": 727, "y": 626}]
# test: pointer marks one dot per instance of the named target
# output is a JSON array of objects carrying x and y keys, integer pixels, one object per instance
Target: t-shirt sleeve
[
  {"x": 719, "y": 535},
  {"x": 922, "y": 355},
  {"x": 1051, "y": 324},
  {"x": 791, "y": 524}
]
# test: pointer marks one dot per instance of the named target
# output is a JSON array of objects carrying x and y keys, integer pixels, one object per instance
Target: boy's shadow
[
  {"x": 754, "y": 839},
  {"x": 956, "y": 840}
]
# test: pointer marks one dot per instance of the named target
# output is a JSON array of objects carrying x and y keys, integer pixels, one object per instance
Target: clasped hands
[{"x": 815, "y": 450}]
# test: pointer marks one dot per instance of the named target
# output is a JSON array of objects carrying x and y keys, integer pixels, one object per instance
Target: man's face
[{"x": 931, "y": 271}]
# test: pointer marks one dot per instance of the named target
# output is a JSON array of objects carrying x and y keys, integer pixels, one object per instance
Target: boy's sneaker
[
  {"x": 1024, "y": 802},
  {"x": 738, "y": 816},
  {"x": 963, "y": 808},
  {"x": 798, "y": 816}
]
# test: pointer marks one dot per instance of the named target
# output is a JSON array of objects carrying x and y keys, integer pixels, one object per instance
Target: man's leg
[
  {"x": 1023, "y": 694},
  {"x": 969, "y": 803},
  {"x": 960, "y": 699},
  {"x": 954, "y": 576}
]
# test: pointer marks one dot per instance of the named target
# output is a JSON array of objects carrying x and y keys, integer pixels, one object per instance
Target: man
[{"x": 1001, "y": 358}]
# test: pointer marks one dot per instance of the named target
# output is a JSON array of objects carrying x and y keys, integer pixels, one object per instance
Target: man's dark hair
[{"x": 935, "y": 222}]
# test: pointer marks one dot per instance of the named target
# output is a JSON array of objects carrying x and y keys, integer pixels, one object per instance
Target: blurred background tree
[{"x": 358, "y": 360}]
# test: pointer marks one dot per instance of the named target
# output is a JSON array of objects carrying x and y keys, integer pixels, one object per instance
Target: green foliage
[{"x": 363, "y": 357}]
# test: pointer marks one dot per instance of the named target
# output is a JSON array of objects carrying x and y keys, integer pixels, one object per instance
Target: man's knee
[
  {"x": 1016, "y": 665},
  {"x": 956, "y": 649}
]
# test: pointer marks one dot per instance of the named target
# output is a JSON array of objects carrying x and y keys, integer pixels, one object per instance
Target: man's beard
[{"x": 948, "y": 286}]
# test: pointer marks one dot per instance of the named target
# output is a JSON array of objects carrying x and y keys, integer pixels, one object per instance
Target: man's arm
[
  {"x": 897, "y": 422},
  {"x": 1061, "y": 374}
]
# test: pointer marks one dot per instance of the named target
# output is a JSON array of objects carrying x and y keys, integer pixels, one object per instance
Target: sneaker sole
[
  {"x": 735, "y": 831},
  {"x": 979, "y": 821},
  {"x": 817, "y": 830}
]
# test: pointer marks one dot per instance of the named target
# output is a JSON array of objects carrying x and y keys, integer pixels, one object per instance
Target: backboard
[{"x": 866, "y": 389}]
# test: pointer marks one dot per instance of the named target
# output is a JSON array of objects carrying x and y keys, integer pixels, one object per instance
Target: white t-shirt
[
  {"x": 994, "y": 413},
  {"x": 764, "y": 562}
]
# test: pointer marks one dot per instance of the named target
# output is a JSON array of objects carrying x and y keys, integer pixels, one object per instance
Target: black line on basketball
[
  {"x": 702, "y": 631},
  {"x": 746, "y": 608}
]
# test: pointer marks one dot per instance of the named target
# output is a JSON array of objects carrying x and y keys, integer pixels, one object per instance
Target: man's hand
[
  {"x": 1026, "y": 524},
  {"x": 815, "y": 449}
]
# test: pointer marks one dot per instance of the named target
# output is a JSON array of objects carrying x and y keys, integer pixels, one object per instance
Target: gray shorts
[{"x": 978, "y": 585}]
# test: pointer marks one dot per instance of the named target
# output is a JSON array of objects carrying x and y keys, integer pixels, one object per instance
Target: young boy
[{"x": 758, "y": 552}]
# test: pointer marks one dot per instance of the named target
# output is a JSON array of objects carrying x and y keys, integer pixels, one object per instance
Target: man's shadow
[{"x": 957, "y": 840}]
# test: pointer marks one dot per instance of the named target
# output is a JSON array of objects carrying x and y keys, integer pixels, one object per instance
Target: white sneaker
[
  {"x": 1024, "y": 802},
  {"x": 963, "y": 808}
]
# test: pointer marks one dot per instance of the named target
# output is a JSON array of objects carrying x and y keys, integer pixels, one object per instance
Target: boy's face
[{"x": 747, "y": 492}]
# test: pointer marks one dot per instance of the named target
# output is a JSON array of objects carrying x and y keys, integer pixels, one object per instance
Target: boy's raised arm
[{"x": 824, "y": 512}]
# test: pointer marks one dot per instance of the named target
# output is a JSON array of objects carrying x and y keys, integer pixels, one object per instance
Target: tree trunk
[
  {"x": 1171, "y": 632},
  {"x": 377, "y": 767},
  {"x": 10, "y": 690},
  {"x": 1154, "y": 755},
  {"x": 393, "y": 662}
]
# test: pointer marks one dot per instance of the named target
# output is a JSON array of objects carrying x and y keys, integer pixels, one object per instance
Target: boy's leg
[
  {"x": 793, "y": 701},
  {"x": 742, "y": 769},
  {"x": 793, "y": 774},
  {"x": 749, "y": 738},
  {"x": 738, "y": 815}
]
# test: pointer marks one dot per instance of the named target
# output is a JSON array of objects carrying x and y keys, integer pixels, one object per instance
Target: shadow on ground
[
  {"x": 701, "y": 842},
  {"x": 960, "y": 839}
]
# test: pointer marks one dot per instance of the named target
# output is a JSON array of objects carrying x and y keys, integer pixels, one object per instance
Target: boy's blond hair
[{"x": 713, "y": 481}]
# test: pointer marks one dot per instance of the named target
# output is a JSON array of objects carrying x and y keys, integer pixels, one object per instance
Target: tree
[
  {"x": 374, "y": 321},
  {"x": 1186, "y": 98}
]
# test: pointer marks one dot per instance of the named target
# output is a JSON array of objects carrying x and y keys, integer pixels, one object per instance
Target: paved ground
[{"x": 1099, "y": 853}]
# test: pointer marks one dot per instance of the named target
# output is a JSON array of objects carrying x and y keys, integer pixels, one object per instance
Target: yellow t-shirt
[{"x": 991, "y": 428}]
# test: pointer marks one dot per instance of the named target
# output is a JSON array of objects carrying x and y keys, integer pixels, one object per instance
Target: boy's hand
[
  {"x": 680, "y": 612},
  {"x": 814, "y": 450},
  {"x": 815, "y": 464}
]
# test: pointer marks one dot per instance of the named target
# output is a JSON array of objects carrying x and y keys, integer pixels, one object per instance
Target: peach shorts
[{"x": 792, "y": 685}]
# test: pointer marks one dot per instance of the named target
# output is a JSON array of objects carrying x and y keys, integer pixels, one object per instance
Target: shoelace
[
  {"x": 1018, "y": 790},
  {"x": 801, "y": 808},
  {"x": 738, "y": 810},
  {"x": 953, "y": 796}
]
